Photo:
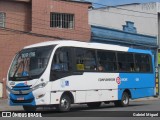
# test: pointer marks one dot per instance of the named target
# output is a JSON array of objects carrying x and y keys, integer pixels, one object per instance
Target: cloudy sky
[{"x": 119, "y": 2}]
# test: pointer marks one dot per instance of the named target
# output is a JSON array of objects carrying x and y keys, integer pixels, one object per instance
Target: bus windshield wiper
[{"x": 16, "y": 70}]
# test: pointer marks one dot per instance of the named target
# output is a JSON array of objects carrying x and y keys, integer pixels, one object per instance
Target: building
[
  {"x": 25, "y": 22},
  {"x": 134, "y": 25},
  {"x": 146, "y": 17}
]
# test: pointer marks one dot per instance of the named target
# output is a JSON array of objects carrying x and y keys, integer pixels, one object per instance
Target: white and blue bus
[{"x": 61, "y": 73}]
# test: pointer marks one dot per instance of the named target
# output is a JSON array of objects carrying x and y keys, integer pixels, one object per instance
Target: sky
[{"x": 118, "y": 2}]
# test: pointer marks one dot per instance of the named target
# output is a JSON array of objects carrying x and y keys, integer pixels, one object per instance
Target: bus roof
[{"x": 88, "y": 45}]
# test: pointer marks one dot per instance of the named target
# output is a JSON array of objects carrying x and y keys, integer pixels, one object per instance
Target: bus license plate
[{"x": 20, "y": 98}]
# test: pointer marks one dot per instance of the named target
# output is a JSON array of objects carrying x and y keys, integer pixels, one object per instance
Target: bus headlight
[
  {"x": 41, "y": 85},
  {"x": 39, "y": 96}
]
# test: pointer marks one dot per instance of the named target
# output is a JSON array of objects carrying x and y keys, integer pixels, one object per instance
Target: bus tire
[
  {"x": 124, "y": 102},
  {"x": 94, "y": 104},
  {"x": 29, "y": 108},
  {"x": 65, "y": 104}
]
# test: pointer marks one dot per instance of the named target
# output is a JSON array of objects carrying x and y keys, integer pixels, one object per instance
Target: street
[{"x": 147, "y": 105}]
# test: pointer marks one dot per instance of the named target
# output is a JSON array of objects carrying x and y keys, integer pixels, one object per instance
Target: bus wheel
[
  {"x": 94, "y": 104},
  {"x": 124, "y": 101},
  {"x": 65, "y": 104},
  {"x": 29, "y": 108}
]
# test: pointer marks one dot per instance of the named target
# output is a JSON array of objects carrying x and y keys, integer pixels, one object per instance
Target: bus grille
[{"x": 22, "y": 101}]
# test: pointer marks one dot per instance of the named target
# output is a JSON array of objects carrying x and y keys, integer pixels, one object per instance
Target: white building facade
[{"x": 145, "y": 16}]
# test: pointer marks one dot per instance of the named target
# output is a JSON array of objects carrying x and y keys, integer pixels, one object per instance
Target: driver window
[{"x": 61, "y": 60}]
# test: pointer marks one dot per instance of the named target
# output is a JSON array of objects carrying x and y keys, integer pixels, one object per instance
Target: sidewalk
[
  {"x": 5, "y": 107},
  {"x": 147, "y": 98}
]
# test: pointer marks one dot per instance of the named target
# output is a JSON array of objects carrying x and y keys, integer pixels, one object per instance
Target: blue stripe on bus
[
  {"x": 140, "y": 85},
  {"x": 137, "y": 93},
  {"x": 139, "y": 51}
]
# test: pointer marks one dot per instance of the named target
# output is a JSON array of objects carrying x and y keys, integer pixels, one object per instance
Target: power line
[
  {"x": 77, "y": 33},
  {"x": 28, "y": 33},
  {"x": 116, "y": 8},
  {"x": 89, "y": 10},
  {"x": 81, "y": 20},
  {"x": 49, "y": 21},
  {"x": 121, "y": 8},
  {"x": 36, "y": 18},
  {"x": 36, "y": 23},
  {"x": 54, "y": 29},
  {"x": 37, "y": 11},
  {"x": 40, "y": 24},
  {"x": 106, "y": 11}
]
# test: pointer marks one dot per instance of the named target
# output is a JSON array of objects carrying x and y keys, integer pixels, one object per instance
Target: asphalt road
[
  {"x": 109, "y": 110},
  {"x": 136, "y": 107}
]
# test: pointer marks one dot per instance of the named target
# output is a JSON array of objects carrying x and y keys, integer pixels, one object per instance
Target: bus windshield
[{"x": 30, "y": 63}]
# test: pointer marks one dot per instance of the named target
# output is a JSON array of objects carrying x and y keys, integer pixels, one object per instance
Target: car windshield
[{"x": 30, "y": 63}]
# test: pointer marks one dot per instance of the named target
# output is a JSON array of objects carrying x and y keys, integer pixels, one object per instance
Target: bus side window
[
  {"x": 85, "y": 59},
  {"x": 126, "y": 62},
  {"x": 107, "y": 60},
  {"x": 143, "y": 62},
  {"x": 61, "y": 60}
]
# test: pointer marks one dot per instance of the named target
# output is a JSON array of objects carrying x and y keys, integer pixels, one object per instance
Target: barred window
[
  {"x": 2, "y": 19},
  {"x": 62, "y": 20}
]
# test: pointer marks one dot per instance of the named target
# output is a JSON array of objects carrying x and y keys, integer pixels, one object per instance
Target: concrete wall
[{"x": 145, "y": 18}]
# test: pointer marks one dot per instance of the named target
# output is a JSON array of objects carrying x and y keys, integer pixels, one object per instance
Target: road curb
[{"x": 147, "y": 99}]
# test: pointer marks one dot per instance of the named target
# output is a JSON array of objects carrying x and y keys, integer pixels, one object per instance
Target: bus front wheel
[
  {"x": 124, "y": 101},
  {"x": 65, "y": 104},
  {"x": 29, "y": 108}
]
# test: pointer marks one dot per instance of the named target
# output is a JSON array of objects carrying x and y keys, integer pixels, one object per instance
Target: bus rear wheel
[
  {"x": 29, "y": 108},
  {"x": 94, "y": 104},
  {"x": 65, "y": 104},
  {"x": 124, "y": 102}
]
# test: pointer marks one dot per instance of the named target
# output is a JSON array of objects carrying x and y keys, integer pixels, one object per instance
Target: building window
[
  {"x": 2, "y": 19},
  {"x": 62, "y": 20}
]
